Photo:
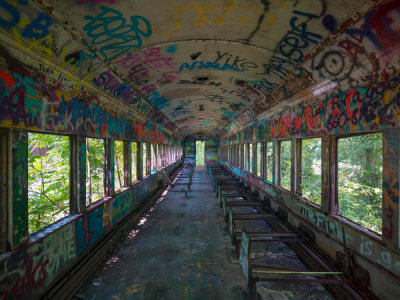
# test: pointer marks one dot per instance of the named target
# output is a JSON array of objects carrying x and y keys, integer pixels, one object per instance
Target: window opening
[
  {"x": 360, "y": 162},
  {"x": 48, "y": 179},
  {"x": 269, "y": 159},
  {"x": 251, "y": 158},
  {"x": 311, "y": 169},
  {"x": 153, "y": 159},
  {"x": 94, "y": 170},
  {"x": 144, "y": 159},
  {"x": 245, "y": 157},
  {"x": 240, "y": 156},
  {"x": 134, "y": 161},
  {"x": 285, "y": 164},
  {"x": 200, "y": 147},
  {"x": 119, "y": 165},
  {"x": 259, "y": 159}
]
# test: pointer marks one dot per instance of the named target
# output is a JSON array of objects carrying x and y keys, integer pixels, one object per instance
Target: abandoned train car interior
[{"x": 202, "y": 149}]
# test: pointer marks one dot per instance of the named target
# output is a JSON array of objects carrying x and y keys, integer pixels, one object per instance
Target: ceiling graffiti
[{"x": 202, "y": 67}]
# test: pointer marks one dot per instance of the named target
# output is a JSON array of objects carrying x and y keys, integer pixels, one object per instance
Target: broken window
[
  {"x": 48, "y": 179},
  {"x": 360, "y": 180},
  {"x": 285, "y": 164},
  {"x": 134, "y": 161},
  {"x": 259, "y": 158},
  {"x": 119, "y": 165},
  {"x": 245, "y": 157},
  {"x": 153, "y": 158},
  {"x": 240, "y": 156},
  {"x": 94, "y": 170},
  {"x": 251, "y": 158},
  {"x": 269, "y": 160},
  {"x": 144, "y": 159},
  {"x": 311, "y": 169}
]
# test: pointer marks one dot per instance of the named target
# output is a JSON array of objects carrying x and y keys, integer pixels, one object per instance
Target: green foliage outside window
[
  {"x": 251, "y": 158},
  {"x": 134, "y": 161},
  {"x": 119, "y": 165},
  {"x": 245, "y": 157},
  {"x": 240, "y": 155},
  {"x": 200, "y": 146},
  {"x": 48, "y": 179},
  {"x": 285, "y": 165},
  {"x": 269, "y": 159},
  {"x": 259, "y": 158},
  {"x": 153, "y": 159},
  {"x": 311, "y": 169},
  {"x": 144, "y": 159},
  {"x": 360, "y": 180},
  {"x": 94, "y": 170}
]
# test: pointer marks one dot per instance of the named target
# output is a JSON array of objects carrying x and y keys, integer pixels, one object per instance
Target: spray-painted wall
[
  {"x": 30, "y": 100},
  {"x": 355, "y": 95},
  {"x": 190, "y": 152},
  {"x": 27, "y": 272},
  {"x": 211, "y": 152}
]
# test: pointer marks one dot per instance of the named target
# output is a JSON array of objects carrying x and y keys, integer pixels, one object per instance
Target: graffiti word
[
  {"x": 298, "y": 38},
  {"x": 208, "y": 65},
  {"x": 112, "y": 32},
  {"x": 237, "y": 63},
  {"x": 109, "y": 83}
]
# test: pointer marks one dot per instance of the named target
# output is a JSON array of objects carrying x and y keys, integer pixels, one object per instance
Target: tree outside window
[
  {"x": 119, "y": 165},
  {"x": 360, "y": 162},
  {"x": 259, "y": 158},
  {"x": 48, "y": 179},
  {"x": 269, "y": 159},
  {"x": 285, "y": 164},
  {"x": 311, "y": 169},
  {"x": 134, "y": 161},
  {"x": 94, "y": 170}
]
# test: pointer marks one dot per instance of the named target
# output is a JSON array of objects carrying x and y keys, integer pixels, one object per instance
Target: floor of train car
[{"x": 180, "y": 250}]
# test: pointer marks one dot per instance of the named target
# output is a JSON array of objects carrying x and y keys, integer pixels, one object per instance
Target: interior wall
[
  {"x": 211, "y": 152},
  {"x": 365, "y": 109},
  {"x": 190, "y": 152}
]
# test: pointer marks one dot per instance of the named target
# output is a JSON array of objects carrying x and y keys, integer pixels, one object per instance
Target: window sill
[{"x": 359, "y": 228}]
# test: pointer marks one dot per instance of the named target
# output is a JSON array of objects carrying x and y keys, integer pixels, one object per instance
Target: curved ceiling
[{"x": 200, "y": 67}]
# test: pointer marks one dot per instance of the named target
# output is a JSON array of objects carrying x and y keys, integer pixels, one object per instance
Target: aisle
[{"x": 180, "y": 251}]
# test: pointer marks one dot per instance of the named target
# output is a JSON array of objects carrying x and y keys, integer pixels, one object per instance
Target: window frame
[
  {"x": 334, "y": 199},
  {"x": 299, "y": 170},
  {"x": 279, "y": 181},
  {"x": 92, "y": 202},
  {"x": 72, "y": 200},
  {"x": 265, "y": 165},
  {"x": 258, "y": 160}
]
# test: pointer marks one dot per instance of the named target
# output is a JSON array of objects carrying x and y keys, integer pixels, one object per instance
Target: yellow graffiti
[
  {"x": 106, "y": 216},
  {"x": 140, "y": 287},
  {"x": 206, "y": 14}
]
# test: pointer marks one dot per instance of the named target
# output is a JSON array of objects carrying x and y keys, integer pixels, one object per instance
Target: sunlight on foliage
[
  {"x": 311, "y": 169},
  {"x": 286, "y": 158},
  {"x": 360, "y": 180},
  {"x": 119, "y": 165},
  {"x": 200, "y": 146},
  {"x": 48, "y": 179},
  {"x": 245, "y": 157},
  {"x": 134, "y": 161},
  {"x": 240, "y": 156},
  {"x": 251, "y": 158},
  {"x": 259, "y": 157},
  {"x": 269, "y": 161},
  {"x": 94, "y": 170},
  {"x": 144, "y": 159},
  {"x": 153, "y": 159}
]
